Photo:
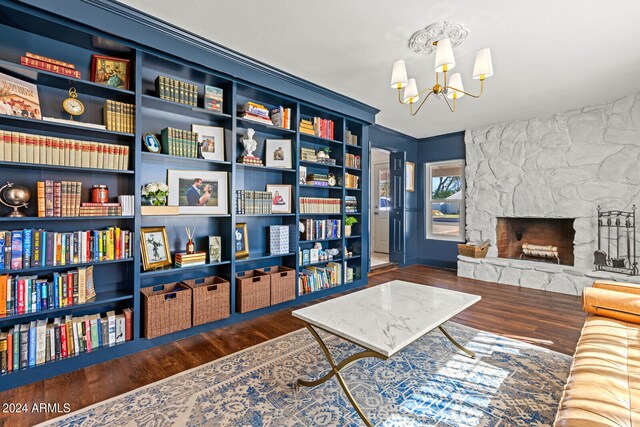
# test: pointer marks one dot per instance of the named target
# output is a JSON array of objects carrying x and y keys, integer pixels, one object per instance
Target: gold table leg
[
  {"x": 335, "y": 370},
  {"x": 456, "y": 343}
]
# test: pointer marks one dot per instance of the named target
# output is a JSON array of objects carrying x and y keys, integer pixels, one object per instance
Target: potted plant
[
  {"x": 348, "y": 223},
  {"x": 323, "y": 153},
  {"x": 156, "y": 193}
]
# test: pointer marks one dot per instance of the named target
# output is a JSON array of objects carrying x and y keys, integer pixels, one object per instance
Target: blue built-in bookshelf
[{"x": 73, "y": 32}]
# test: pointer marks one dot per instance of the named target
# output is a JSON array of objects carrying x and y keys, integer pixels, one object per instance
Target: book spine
[
  {"x": 45, "y": 66},
  {"x": 49, "y": 60}
]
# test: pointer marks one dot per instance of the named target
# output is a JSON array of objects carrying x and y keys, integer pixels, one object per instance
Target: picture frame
[
  {"x": 241, "y": 240},
  {"x": 110, "y": 71},
  {"x": 152, "y": 143},
  {"x": 198, "y": 192},
  {"x": 410, "y": 175},
  {"x": 302, "y": 175},
  {"x": 210, "y": 141},
  {"x": 213, "y": 98},
  {"x": 278, "y": 153},
  {"x": 280, "y": 198},
  {"x": 154, "y": 248},
  {"x": 215, "y": 249}
]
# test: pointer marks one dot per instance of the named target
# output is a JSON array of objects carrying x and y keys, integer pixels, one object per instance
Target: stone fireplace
[
  {"x": 531, "y": 181},
  {"x": 512, "y": 233}
]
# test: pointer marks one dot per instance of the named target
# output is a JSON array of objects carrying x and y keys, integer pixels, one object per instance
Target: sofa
[{"x": 603, "y": 388}]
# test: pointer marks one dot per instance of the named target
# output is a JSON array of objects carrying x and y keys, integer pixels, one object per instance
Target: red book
[
  {"x": 63, "y": 340},
  {"x": 9, "y": 352},
  {"x": 41, "y": 65},
  {"x": 21, "y": 290},
  {"x": 69, "y": 289},
  {"x": 87, "y": 336}
]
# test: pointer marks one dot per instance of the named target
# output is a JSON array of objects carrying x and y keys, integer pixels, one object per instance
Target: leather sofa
[{"x": 603, "y": 388}]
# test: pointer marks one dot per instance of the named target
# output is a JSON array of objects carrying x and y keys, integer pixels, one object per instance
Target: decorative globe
[{"x": 14, "y": 196}]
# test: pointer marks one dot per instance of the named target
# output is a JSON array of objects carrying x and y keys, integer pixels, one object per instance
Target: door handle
[{"x": 375, "y": 212}]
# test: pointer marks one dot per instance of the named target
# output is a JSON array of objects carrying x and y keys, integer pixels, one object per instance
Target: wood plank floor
[{"x": 542, "y": 318}]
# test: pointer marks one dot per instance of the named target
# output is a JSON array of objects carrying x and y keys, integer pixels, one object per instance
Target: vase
[
  {"x": 158, "y": 200},
  {"x": 347, "y": 230}
]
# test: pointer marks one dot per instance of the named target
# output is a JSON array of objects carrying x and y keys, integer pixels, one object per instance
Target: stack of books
[
  {"x": 352, "y": 161},
  {"x": 350, "y": 204},
  {"x": 189, "y": 260},
  {"x": 351, "y": 181},
  {"x": 306, "y": 126},
  {"x": 100, "y": 209},
  {"x": 253, "y": 202},
  {"x": 256, "y": 113},
  {"x": 177, "y": 91},
  {"x": 127, "y": 202},
  {"x": 312, "y": 205},
  {"x": 281, "y": 117},
  {"x": 351, "y": 139},
  {"x": 308, "y": 155},
  {"x": 47, "y": 64},
  {"x": 317, "y": 180},
  {"x": 119, "y": 117},
  {"x": 179, "y": 142}
]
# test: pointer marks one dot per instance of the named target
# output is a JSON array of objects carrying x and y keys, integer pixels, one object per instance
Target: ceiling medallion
[{"x": 422, "y": 41}]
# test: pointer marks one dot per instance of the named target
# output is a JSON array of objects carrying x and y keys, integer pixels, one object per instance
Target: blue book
[
  {"x": 16, "y": 250},
  {"x": 44, "y": 295},
  {"x": 43, "y": 248},
  {"x": 34, "y": 295},
  {"x": 99, "y": 331},
  {"x": 26, "y": 247},
  {"x": 38, "y": 295},
  {"x": 32, "y": 344},
  {"x": 1, "y": 250},
  {"x": 56, "y": 290},
  {"x": 27, "y": 295}
]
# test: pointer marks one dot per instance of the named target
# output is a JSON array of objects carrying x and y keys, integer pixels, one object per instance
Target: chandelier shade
[
  {"x": 455, "y": 87},
  {"x": 411, "y": 92},
  {"x": 445, "y": 61},
  {"x": 399, "y": 74},
  {"x": 483, "y": 66}
]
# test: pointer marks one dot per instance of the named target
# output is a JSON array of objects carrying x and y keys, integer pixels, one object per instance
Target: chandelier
[{"x": 451, "y": 87}]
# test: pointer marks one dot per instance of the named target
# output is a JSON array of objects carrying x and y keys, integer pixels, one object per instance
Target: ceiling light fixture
[{"x": 441, "y": 36}]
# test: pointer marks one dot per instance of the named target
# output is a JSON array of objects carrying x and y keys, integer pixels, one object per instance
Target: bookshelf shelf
[
  {"x": 264, "y": 168},
  {"x": 64, "y": 168},
  {"x": 323, "y": 291},
  {"x": 354, "y": 189},
  {"x": 33, "y": 126},
  {"x": 184, "y": 109},
  {"x": 246, "y": 123},
  {"x": 101, "y": 298},
  {"x": 166, "y": 158},
  {"x": 260, "y": 257},
  {"x": 46, "y": 78},
  {"x": 62, "y": 218},
  {"x": 314, "y": 215},
  {"x": 321, "y": 187},
  {"x": 319, "y": 165},
  {"x": 321, "y": 240},
  {"x": 189, "y": 216},
  {"x": 352, "y": 257},
  {"x": 353, "y": 237},
  {"x": 173, "y": 270},
  {"x": 65, "y": 267},
  {"x": 319, "y": 140},
  {"x": 275, "y": 215},
  {"x": 353, "y": 169},
  {"x": 353, "y": 213},
  {"x": 322, "y": 262}
]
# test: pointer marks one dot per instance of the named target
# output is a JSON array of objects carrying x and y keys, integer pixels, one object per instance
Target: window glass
[{"x": 445, "y": 200}]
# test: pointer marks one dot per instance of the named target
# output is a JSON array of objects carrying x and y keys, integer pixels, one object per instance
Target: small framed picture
[
  {"x": 198, "y": 192},
  {"x": 280, "y": 198},
  {"x": 154, "y": 246},
  {"x": 215, "y": 249},
  {"x": 410, "y": 175},
  {"x": 211, "y": 141},
  {"x": 151, "y": 143},
  {"x": 303, "y": 175},
  {"x": 241, "y": 241},
  {"x": 110, "y": 71},
  {"x": 278, "y": 153}
]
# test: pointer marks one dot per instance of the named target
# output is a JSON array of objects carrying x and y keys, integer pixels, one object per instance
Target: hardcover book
[
  {"x": 213, "y": 98},
  {"x": 19, "y": 98}
]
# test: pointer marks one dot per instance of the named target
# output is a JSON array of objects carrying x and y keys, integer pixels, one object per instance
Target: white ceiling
[{"x": 548, "y": 56}]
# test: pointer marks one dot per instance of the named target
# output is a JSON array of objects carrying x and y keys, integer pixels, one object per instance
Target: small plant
[
  {"x": 327, "y": 150},
  {"x": 350, "y": 221},
  {"x": 156, "y": 192}
]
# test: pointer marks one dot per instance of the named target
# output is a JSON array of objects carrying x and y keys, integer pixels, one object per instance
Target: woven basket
[
  {"x": 167, "y": 309},
  {"x": 254, "y": 290},
  {"x": 283, "y": 283},
  {"x": 211, "y": 299},
  {"x": 472, "y": 251}
]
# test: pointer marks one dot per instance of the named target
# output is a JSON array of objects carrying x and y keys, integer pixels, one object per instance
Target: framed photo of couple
[{"x": 198, "y": 192}]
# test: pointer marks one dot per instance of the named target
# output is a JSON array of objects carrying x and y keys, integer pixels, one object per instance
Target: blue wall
[{"x": 437, "y": 253}]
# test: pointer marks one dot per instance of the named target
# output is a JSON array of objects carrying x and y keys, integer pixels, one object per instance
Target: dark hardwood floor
[{"x": 542, "y": 318}]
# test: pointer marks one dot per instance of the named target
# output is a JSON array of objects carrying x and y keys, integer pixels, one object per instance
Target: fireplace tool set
[{"x": 620, "y": 230}]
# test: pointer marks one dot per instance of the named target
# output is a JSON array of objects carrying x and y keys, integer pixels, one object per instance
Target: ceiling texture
[{"x": 548, "y": 56}]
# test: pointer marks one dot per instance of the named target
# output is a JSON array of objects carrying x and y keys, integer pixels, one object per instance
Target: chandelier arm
[
  {"x": 449, "y": 105},
  {"x": 413, "y": 113},
  {"x": 467, "y": 93},
  {"x": 399, "y": 96}
]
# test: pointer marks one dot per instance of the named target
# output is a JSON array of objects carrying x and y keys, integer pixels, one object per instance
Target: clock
[
  {"x": 72, "y": 104},
  {"x": 331, "y": 180}
]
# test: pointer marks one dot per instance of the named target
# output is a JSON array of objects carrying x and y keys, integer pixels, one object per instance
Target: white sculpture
[{"x": 249, "y": 144}]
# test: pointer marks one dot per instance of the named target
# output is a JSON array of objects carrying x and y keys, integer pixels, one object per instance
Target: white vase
[{"x": 347, "y": 230}]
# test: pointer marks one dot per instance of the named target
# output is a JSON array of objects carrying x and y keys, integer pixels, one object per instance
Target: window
[{"x": 445, "y": 200}]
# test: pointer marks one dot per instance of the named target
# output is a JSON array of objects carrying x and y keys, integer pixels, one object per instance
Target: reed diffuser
[{"x": 191, "y": 247}]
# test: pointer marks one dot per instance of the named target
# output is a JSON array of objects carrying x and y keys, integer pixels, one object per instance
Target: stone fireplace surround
[{"x": 558, "y": 166}]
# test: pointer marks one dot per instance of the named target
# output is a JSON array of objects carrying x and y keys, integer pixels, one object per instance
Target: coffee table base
[{"x": 336, "y": 368}]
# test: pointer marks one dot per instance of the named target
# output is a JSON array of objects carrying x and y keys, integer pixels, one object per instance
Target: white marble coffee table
[{"x": 383, "y": 319}]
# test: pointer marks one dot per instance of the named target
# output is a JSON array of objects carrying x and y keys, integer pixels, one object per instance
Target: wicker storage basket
[
  {"x": 254, "y": 290},
  {"x": 472, "y": 251},
  {"x": 283, "y": 283},
  {"x": 211, "y": 299},
  {"x": 167, "y": 308}
]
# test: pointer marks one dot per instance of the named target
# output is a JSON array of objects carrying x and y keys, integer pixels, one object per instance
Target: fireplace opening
[{"x": 536, "y": 239}]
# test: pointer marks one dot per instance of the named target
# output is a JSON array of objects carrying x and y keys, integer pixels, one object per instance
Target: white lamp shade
[
  {"x": 399, "y": 75},
  {"x": 455, "y": 81},
  {"x": 483, "y": 65},
  {"x": 444, "y": 56},
  {"x": 411, "y": 92}
]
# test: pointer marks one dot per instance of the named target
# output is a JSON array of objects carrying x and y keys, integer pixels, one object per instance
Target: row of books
[
  {"x": 32, "y": 294},
  {"x": 189, "y": 260},
  {"x": 320, "y": 229},
  {"x": 38, "y": 342},
  {"x": 258, "y": 113},
  {"x": 324, "y": 128},
  {"x": 352, "y": 161},
  {"x": 47, "y": 64},
  {"x": 179, "y": 142},
  {"x": 350, "y": 204},
  {"x": 127, "y": 204},
  {"x": 50, "y": 150},
  {"x": 351, "y": 181},
  {"x": 32, "y": 248},
  {"x": 253, "y": 202},
  {"x": 313, "y": 279},
  {"x": 176, "y": 90},
  {"x": 351, "y": 139},
  {"x": 119, "y": 116},
  {"x": 312, "y": 205},
  {"x": 59, "y": 198}
]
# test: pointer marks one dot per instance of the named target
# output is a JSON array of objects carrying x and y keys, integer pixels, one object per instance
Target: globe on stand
[{"x": 15, "y": 197}]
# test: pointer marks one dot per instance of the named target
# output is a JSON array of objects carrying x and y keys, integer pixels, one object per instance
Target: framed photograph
[
  {"x": 215, "y": 249},
  {"x": 303, "y": 175},
  {"x": 198, "y": 192},
  {"x": 211, "y": 141},
  {"x": 280, "y": 198},
  {"x": 151, "y": 143},
  {"x": 154, "y": 246},
  {"x": 278, "y": 153},
  {"x": 110, "y": 71},
  {"x": 410, "y": 176},
  {"x": 241, "y": 241}
]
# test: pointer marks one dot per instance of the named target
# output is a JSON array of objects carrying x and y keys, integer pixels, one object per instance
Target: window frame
[{"x": 429, "y": 201}]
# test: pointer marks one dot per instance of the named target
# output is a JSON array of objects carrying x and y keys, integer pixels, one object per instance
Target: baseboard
[{"x": 451, "y": 265}]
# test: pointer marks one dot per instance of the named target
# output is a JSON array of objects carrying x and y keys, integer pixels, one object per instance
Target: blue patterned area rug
[{"x": 510, "y": 383}]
